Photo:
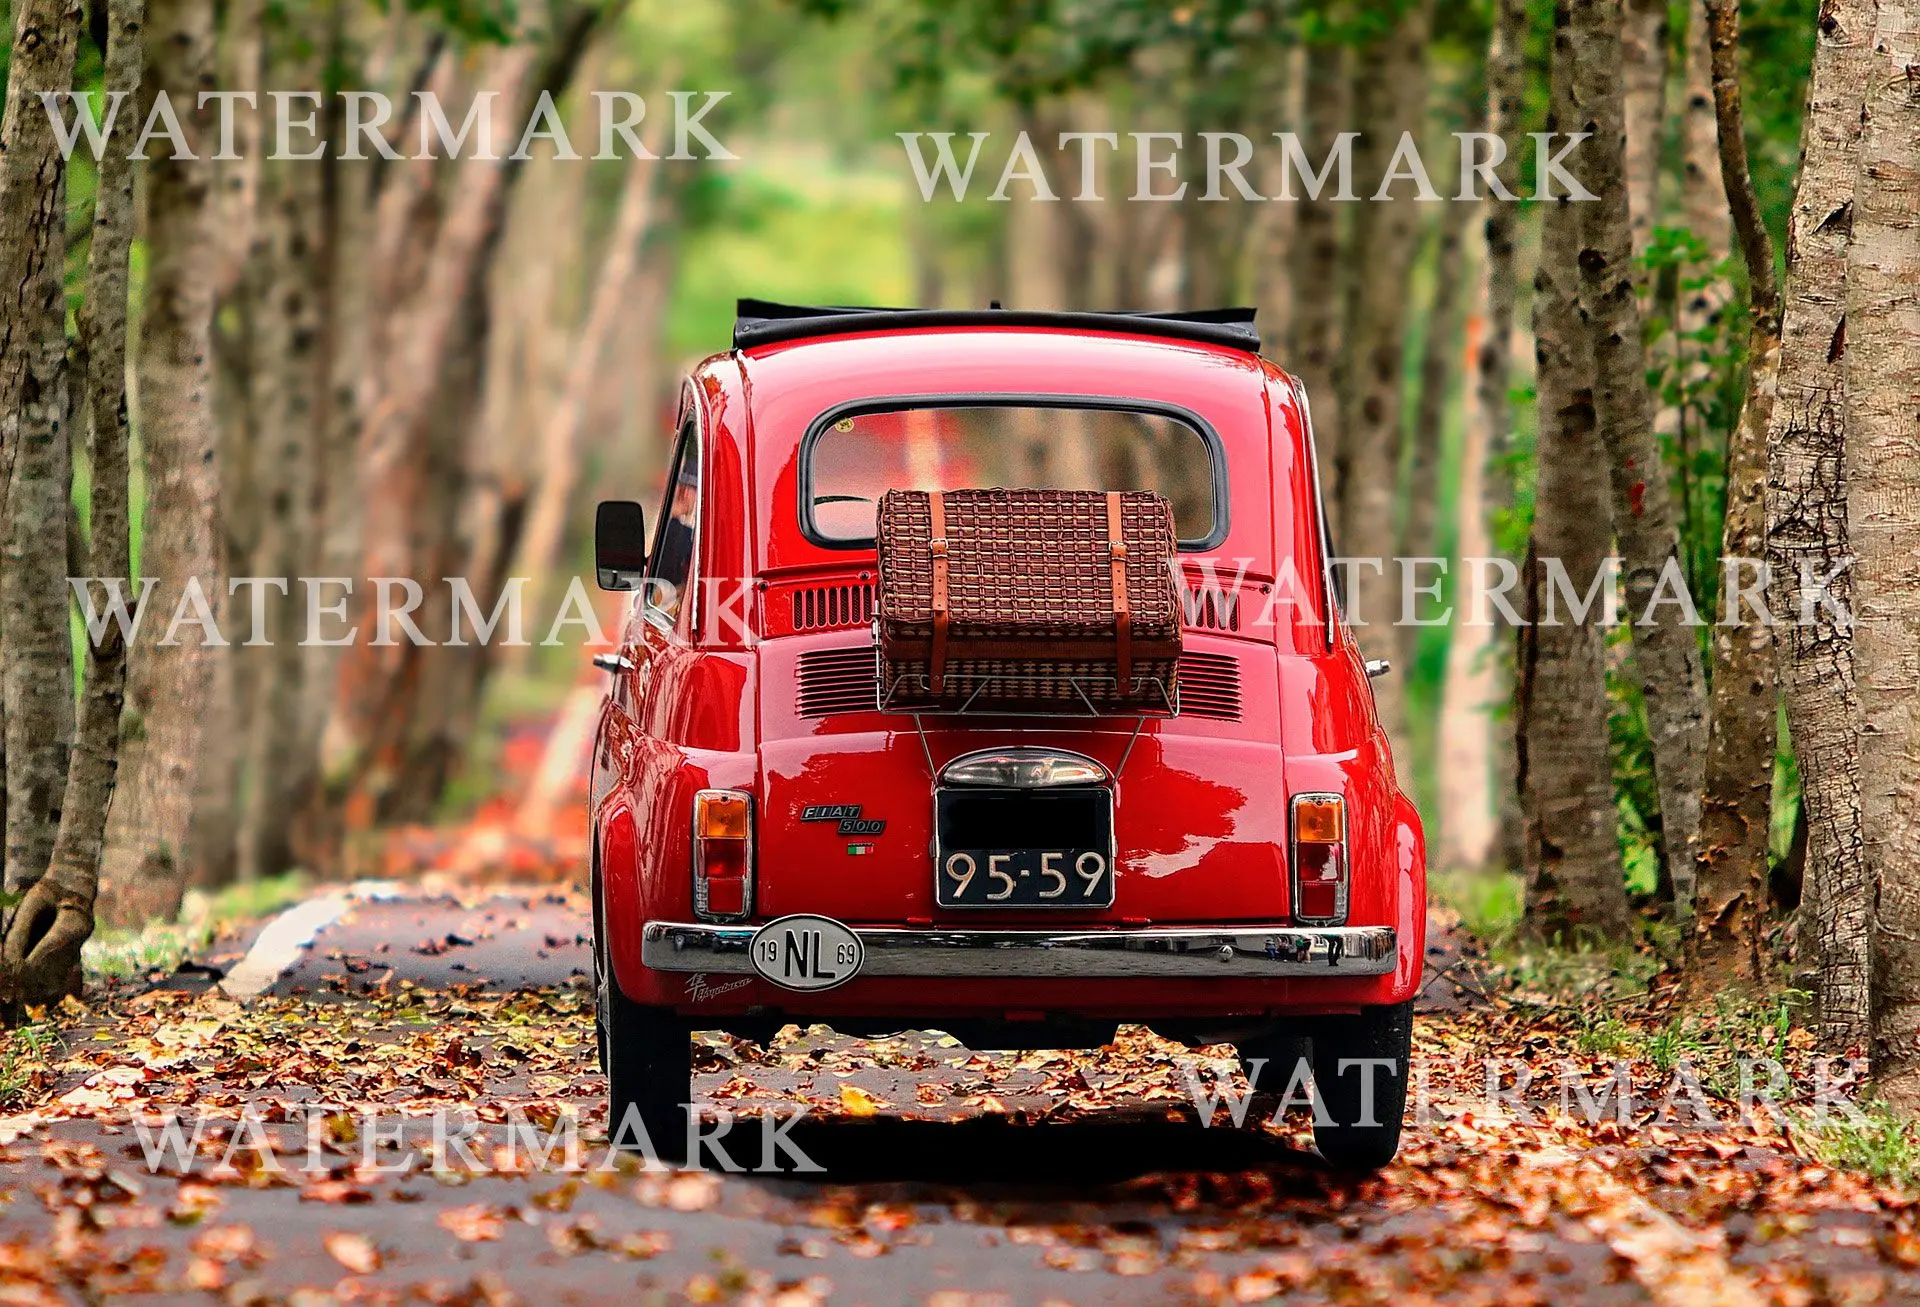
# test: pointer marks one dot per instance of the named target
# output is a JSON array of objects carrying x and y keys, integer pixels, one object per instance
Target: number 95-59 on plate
[{"x": 1003, "y": 850}]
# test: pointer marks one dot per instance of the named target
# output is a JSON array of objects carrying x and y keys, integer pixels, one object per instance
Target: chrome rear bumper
[{"x": 1173, "y": 951}]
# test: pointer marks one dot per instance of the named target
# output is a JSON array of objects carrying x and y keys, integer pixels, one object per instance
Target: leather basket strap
[
  {"x": 1122, "y": 613},
  {"x": 937, "y": 661}
]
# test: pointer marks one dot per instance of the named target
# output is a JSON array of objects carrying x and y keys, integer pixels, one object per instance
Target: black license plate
[{"x": 1023, "y": 848}]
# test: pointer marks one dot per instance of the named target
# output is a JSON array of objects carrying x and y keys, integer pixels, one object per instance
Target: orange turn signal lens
[
  {"x": 720, "y": 815},
  {"x": 1319, "y": 821}
]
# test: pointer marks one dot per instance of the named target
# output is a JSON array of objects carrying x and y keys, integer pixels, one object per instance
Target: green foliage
[
  {"x": 24, "y": 1053},
  {"x": 1488, "y": 900},
  {"x": 163, "y": 945},
  {"x": 1885, "y": 1144},
  {"x": 492, "y": 21},
  {"x": 788, "y": 232}
]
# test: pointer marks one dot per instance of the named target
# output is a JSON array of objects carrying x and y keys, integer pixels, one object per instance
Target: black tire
[
  {"x": 600, "y": 972},
  {"x": 1268, "y": 1061},
  {"x": 649, "y": 1067},
  {"x": 1350, "y": 1139}
]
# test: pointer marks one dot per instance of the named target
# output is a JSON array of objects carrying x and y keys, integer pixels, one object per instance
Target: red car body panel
[{"x": 712, "y": 701}]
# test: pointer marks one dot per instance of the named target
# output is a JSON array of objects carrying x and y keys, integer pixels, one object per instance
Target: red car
[{"x": 773, "y": 844}]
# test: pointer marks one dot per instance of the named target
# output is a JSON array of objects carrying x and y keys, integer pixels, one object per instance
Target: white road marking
[{"x": 288, "y": 935}]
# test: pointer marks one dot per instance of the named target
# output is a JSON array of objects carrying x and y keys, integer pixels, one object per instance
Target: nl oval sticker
[{"x": 806, "y": 952}]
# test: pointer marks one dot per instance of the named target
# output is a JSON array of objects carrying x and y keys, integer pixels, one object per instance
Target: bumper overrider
[{"x": 1189, "y": 952}]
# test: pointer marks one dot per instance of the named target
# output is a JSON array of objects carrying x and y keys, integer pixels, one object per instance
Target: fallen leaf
[
  {"x": 476, "y": 1223},
  {"x": 353, "y": 1251},
  {"x": 855, "y": 1101}
]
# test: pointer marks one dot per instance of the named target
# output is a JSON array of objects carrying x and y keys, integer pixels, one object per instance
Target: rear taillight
[
  {"x": 722, "y": 854},
  {"x": 1320, "y": 859}
]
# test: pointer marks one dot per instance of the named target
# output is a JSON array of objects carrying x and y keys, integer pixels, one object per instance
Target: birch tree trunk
[
  {"x": 1472, "y": 686},
  {"x": 1419, "y": 536},
  {"x": 1883, "y": 514},
  {"x": 237, "y": 60},
  {"x": 1807, "y": 525},
  {"x": 1274, "y": 230},
  {"x": 1730, "y": 890},
  {"x": 168, "y": 686},
  {"x": 1665, "y": 654},
  {"x": 1319, "y": 274},
  {"x": 1506, "y": 85},
  {"x": 1703, "y": 193},
  {"x": 36, "y": 673},
  {"x": 1574, "y": 884},
  {"x": 1644, "y": 43},
  {"x": 1390, "y": 96},
  {"x": 40, "y": 957}
]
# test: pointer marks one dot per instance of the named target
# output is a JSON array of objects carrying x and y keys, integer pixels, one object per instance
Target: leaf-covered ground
[{"x": 950, "y": 1177}]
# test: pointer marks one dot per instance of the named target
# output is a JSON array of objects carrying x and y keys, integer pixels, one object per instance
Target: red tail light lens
[
  {"x": 722, "y": 854},
  {"x": 1320, "y": 871}
]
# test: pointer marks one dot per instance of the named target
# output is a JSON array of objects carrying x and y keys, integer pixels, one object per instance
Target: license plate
[
  {"x": 806, "y": 952},
  {"x": 1023, "y": 848}
]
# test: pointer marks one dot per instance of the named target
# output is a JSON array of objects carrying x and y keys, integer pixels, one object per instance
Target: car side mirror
[{"x": 619, "y": 544}]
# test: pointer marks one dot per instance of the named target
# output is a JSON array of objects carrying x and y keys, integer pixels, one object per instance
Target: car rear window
[{"x": 850, "y": 459}]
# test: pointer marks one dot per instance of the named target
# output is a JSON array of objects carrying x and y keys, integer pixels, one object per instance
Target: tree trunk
[
  {"x": 36, "y": 673},
  {"x": 1274, "y": 230},
  {"x": 1574, "y": 885},
  {"x": 1506, "y": 86},
  {"x": 1472, "y": 686},
  {"x": 1420, "y": 535},
  {"x": 213, "y": 829},
  {"x": 424, "y": 344},
  {"x": 1703, "y": 193},
  {"x": 1072, "y": 234},
  {"x": 239, "y": 56},
  {"x": 347, "y": 225},
  {"x": 1319, "y": 274},
  {"x": 288, "y": 380},
  {"x": 40, "y": 958},
  {"x": 539, "y": 553},
  {"x": 1391, "y": 93},
  {"x": 1883, "y": 515},
  {"x": 1807, "y": 525},
  {"x": 1665, "y": 653},
  {"x": 1644, "y": 44},
  {"x": 145, "y": 868},
  {"x": 1730, "y": 889}
]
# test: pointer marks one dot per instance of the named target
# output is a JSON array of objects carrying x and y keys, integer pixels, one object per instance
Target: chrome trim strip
[
  {"x": 1320, "y": 506},
  {"x": 1173, "y": 951},
  {"x": 1097, "y": 774}
]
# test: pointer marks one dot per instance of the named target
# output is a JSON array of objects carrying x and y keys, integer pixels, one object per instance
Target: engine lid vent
[
  {"x": 838, "y": 680},
  {"x": 1210, "y": 686},
  {"x": 1212, "y": 608},
  {"x": 822, "y": 607}
]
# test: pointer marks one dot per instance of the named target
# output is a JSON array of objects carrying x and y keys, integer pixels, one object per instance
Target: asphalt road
[{"x": 980, "y": 1201}]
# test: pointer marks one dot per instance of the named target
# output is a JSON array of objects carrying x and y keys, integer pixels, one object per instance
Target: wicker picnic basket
[{"x": 1027, "y": 600}]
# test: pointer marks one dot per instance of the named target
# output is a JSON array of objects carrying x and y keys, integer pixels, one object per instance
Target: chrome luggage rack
[{"x": 981, "y": 687}]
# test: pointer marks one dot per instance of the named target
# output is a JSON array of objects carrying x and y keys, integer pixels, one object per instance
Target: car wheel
[
  {"x": 649, "y": 1067},
  {"x": 1361, "y": 1132},
  {"x": 1276, "y": 1056}
]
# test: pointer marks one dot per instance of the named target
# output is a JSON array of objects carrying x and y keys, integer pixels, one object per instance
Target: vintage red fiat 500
[{"x": 773, "y": 843}]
